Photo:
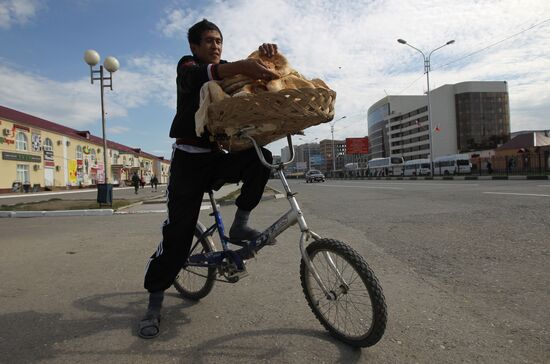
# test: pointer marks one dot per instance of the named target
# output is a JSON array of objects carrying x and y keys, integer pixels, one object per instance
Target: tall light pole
[
  {"x": 111, "y": 64},
  {"x": 333, "y": 152},
  {"x": 427, "y": 72}
]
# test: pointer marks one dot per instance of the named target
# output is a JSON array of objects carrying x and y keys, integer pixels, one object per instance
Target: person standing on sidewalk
[
  {"x": 197, "y": 163},
  {"x": 135, "y": 182}
]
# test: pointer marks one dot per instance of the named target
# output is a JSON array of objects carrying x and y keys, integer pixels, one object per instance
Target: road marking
[
  {"x": 517, "y": 194},
  {"x": 443, "y": 183},
  {"x": 548, "y": 185},
  {"x": 375, "y": 187}
]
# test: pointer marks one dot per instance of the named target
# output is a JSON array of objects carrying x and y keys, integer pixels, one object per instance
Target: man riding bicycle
[{"x": 198, "y": 162}]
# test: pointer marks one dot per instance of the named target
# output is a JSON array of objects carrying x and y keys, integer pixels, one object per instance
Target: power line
[
  {"x": 494, "y": 44},
  {"x": 479, "y": 51}
]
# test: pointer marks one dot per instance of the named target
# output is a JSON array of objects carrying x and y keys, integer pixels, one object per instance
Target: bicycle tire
[
  {"x": 196, "y": 282},
  {"x": 369, "y": 327}
]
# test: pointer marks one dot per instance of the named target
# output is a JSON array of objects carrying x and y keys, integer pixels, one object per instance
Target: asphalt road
[{"x": 465, "y": 268}]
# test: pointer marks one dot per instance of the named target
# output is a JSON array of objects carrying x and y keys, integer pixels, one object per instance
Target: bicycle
[{"x": 339, "y": 286}]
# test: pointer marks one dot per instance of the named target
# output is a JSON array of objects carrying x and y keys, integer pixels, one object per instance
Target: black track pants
[{"x": 191, "y": 174}]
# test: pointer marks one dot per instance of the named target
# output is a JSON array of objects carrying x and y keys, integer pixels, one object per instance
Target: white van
[
  {"x": 417, "y": 167},
  {"x": 452, "y": 164}
]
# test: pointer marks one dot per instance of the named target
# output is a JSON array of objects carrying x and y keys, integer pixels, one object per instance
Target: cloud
[
  {"x": 353, "y": 46},
  {"x": 17, "y": 12},
  {"x": 117, "y": 130},
  {"x": 143, "y": 81}
]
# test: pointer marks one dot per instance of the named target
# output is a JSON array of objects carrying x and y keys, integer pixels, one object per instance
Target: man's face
[{"x": 210, "y": 49}]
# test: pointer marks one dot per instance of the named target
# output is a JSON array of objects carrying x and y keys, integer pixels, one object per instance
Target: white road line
[
  {"x": 370, "y": 187},
  {"x": 443, "y": 183},
  {"x": 517, "y": 194},
  {"x": 548, "y": 185}
]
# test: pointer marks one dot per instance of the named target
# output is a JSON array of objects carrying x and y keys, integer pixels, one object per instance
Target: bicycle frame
[{"x": 249, "y": 249}]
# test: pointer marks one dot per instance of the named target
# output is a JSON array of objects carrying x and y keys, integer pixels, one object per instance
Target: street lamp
[
  {"x": 427, "y": 72},
  {"x": 111, "y": 64},
  {"x": 333, "y": 152}
]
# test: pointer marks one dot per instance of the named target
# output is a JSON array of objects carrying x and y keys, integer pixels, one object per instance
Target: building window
[
  {"x": 79, "y": 152},
  {"x": 48, "y": 145},
  {"x": 93, "y": 156},
  {"x": 23, "y": 173},
  {"x": 21, "y": 141}
]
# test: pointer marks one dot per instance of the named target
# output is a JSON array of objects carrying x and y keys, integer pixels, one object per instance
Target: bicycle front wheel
[
  {"x": 196, "y": 282},
  {"x": 355, "y": 313}
]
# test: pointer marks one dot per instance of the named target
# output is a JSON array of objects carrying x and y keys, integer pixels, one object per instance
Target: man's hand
[
  {"x": 256, "y": 69},
  {"x": 268, "y": 49},
  {"x": 253, "y": 68}
]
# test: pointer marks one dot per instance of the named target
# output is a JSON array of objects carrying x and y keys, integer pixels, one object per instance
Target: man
[
  {"x": 135, "y": 182},
  {"x": 197, "y": 163}
]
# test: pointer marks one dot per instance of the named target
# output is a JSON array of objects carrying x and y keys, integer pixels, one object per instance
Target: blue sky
[{"x": 350, "y": 44}]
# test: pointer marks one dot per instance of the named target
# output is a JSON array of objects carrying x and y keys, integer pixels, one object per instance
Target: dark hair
[{"x": 194, "y": 34}]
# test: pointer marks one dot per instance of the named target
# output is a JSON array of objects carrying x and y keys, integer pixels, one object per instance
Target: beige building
[
  {"x": 467, "y": 116},
  {"x": 48, "y": 155}
]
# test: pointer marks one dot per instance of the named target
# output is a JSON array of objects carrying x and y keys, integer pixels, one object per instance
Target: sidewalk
[
  {"x": 155, "y": 205},
  {"x": 158, "y": 205}
]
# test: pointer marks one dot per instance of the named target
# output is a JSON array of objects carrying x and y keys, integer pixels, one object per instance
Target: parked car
[{"x": 314, "y": 176}]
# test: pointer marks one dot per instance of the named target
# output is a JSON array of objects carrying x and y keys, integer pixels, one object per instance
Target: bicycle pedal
[{"x": 236, "y": 276}]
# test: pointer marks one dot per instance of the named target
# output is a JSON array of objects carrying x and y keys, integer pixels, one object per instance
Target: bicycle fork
[{"x": 306, "y": 233}]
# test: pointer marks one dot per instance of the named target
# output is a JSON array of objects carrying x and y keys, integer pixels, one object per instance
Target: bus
[
  {"x": 452, "y": 164},
  {"x": 417, "y": 167},
  {"x": 390, "y": 166}
]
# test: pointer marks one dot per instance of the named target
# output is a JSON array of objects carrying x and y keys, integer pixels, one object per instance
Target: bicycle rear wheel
[
  {"x": 356, "y": 313},
  {"x": 195, "y": 282}
]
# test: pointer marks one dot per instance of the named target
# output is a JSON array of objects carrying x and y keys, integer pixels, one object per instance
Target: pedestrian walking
[{"x": 135, "y": 182}]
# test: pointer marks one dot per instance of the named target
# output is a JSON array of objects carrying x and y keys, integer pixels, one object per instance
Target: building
[
  {"x": 326, "y": 147},
  {"x": 467, "y": 116},
  {"x": 49, "y": 155}
]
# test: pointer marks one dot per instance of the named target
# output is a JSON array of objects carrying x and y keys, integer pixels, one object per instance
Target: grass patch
[
  {"x": 233, "y": 195},
  {"x": 59, "y": 204}
]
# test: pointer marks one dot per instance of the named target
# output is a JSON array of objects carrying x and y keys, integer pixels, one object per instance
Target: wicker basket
[{"x": 272, "y": 115}]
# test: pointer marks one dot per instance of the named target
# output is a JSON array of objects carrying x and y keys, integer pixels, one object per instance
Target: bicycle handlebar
[{"x": 243, "y": 134}]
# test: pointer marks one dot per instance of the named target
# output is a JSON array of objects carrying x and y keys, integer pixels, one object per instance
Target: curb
[
  {"x": 108, "y": 212},
  {"x": 94, "y": 212}
]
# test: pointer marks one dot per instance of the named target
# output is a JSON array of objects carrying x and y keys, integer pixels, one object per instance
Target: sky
[{"x": 351, "y": 45}]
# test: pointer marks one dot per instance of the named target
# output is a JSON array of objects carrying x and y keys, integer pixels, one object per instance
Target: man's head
[{"x": 205, "y": 40}]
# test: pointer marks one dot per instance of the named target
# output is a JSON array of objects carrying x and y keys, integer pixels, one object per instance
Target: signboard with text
[
  {"x": 357, "y": 145},
  {"x": 10, "y": 156}
]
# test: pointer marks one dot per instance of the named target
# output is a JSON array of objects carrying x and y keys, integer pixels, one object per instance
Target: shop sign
[
  {"x": 48, "y": 155},
  {"x": 36, "y": 140},
  {"x": 10, "y": 156},
  {"x": 4, "y": 140}
]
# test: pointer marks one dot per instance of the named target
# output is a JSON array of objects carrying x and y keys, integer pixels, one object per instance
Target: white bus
[
  {"x": 452, "y": 164},
  {"x": 417, "y": 167},
  {"x": 390, "y": 166}
]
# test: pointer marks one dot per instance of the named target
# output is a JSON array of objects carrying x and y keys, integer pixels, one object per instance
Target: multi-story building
[
  {"x": 326, "y": 149},
  {"x": 46, "y": 154},
  {"x": 468, "y": 116}
]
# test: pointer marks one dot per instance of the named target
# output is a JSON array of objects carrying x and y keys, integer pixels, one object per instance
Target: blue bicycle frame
[{"x": 250, "y": 248}]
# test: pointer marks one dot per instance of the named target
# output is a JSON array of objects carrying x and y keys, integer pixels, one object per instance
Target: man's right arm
[{"x": 252, "y": 68}]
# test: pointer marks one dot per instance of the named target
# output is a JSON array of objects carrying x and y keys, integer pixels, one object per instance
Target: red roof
[
  {"x": 21, "y": 117},
  {"x": 526, "y": 140}
]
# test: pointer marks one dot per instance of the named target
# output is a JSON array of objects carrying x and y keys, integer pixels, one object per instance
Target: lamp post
[
  {"x": 111, "y": 64},
  {"x": 333, "y": 152},
  {"x": 427, "y": 72}
]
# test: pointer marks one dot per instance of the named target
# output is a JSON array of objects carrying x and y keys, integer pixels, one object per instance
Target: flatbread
[
  {"x": 277, "y": 63},
  {"x": 289, "y": 82}
]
